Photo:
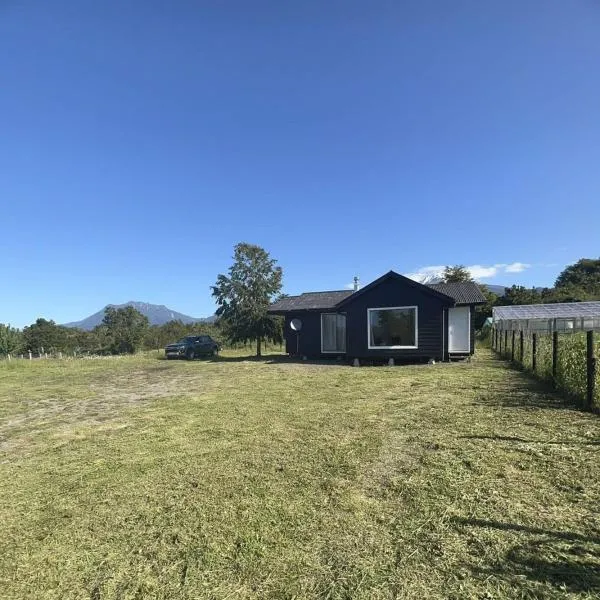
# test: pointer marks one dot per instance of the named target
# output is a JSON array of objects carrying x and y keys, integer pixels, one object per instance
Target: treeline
[
  {"x": 123, "y": 331},
  {"x": 243, "y": 299}
]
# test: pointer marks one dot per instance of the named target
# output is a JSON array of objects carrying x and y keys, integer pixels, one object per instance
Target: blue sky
[{"x": 139, "y": 141}]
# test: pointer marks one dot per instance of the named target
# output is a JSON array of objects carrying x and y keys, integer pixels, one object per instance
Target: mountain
[
  {"x": 499, "y": 290},
  {"x": 157, "y": 314}
]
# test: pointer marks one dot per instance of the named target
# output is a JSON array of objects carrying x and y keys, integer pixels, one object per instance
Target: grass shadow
[
  {"x": 565, "y": 560},
  {"x": 528, "y": 392},
  {"x": 504, "y": 438}
]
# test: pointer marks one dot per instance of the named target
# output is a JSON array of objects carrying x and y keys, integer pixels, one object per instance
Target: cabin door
[{"x": 459, "y": 329}]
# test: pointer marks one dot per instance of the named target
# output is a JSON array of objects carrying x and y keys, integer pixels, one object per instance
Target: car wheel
[
  {"x": 214, "y": 352},
  {"x": 190, "y": 354}
]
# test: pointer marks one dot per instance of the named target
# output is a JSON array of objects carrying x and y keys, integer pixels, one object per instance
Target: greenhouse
[{"x": 564, "y": 317}]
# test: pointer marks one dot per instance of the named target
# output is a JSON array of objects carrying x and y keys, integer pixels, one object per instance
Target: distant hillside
[
  {"x": 157, "y": 314},
  {"x": 499, "y": 290}
]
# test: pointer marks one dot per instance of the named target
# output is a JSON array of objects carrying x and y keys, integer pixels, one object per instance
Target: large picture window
[
  {"x": 333, "y": 333},
  {"x": 392, "y": 328}
]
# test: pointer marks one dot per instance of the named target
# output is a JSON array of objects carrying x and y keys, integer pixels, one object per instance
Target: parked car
[{"x": 192, "y": 346}]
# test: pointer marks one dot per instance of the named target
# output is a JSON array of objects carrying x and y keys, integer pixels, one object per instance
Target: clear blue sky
[{"x": 140, "y": 140}]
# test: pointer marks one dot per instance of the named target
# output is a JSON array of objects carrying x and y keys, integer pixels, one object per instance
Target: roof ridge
[{"x": 324, "y": 292}]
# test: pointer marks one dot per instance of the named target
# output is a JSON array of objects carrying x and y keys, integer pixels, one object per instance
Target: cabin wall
[
  {"x": 308, "y": 341},
  {"x": 431, "y": 325},
  {"x": 472, "y": 333}
]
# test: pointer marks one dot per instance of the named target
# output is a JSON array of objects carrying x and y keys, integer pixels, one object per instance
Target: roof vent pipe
[{"x": 356, "y": 286}]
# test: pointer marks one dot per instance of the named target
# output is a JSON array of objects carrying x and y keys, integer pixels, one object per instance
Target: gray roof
[
  {"x": 563, "y": 310},
  {"x": 465, "y": 292},
  {"x": 310, "y": 301},
  {"x": 461, "y": 293}
]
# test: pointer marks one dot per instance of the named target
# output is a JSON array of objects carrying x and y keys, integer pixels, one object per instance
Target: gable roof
[
  {"x": 409, "y": 282},
  {"x": 466, "y": 292}
]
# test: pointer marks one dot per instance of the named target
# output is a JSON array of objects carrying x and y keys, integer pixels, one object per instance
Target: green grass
[{"x": 144, "y": 478}]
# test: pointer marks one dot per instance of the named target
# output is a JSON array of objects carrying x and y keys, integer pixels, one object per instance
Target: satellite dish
[{"x": 295, "y": 324}]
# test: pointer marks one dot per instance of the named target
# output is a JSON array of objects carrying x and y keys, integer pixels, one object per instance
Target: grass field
[{"x": 145, "y": 478}]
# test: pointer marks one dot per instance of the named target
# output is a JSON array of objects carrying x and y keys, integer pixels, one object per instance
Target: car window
[{"x": 204, "y": 339}]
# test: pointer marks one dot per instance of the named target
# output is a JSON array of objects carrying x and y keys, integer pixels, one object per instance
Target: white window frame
[
  {"x": 369, "y": 310},
  {"x": 345, "y": 341}
]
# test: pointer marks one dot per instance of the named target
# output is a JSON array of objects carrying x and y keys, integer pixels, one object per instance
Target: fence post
[
  {"x": 533, "y": 351},
  {"x": 554, "y": 354},
  {"x": 505, "y": 340},
  {"x": 512, "y": 348},
  {"x": 30, "y": 355},
  {"x": 521, "y": 347},
  {"x": 591, "y": 370}
]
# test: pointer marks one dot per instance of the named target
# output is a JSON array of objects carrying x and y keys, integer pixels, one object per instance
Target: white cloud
[
  {"x": 349, "y": 286},
  {"x": 478, "y": 272},
  {"x": 481, "y": 272},
  {"x": 516, "y": 267}
]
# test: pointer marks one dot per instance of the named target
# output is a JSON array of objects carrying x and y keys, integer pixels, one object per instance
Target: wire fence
[{"x": 567, "y": 360}]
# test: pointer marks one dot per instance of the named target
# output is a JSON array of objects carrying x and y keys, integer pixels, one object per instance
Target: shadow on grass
[
  {"x": 527, "y": 391},
  {"x": 504, "y": 438},
  {"x": 268, "y": 359},
  {"x": 565, "y": 560}
]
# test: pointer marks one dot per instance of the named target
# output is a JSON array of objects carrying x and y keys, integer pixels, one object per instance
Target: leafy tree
[
  {"x": 244, "y": 296},
  {"x": 456, "y": 274},
  {"x": 11, "y": 339},
  {"x": 583, "y": 275},
  {"x": 518, "y": 294},
  {"x": 124, "y": 328},
  {"x": 45, "y": 334}
]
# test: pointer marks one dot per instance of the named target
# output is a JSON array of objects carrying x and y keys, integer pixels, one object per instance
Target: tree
[
  {"x": 244, "y": 296},
  {"x": 125, "y": 329},
  {"x": 518, "y": 294},
  {"x": 584, "y": 274},
  {"x": 456, "y": 274},
  {"x": 11, "y": 339},
  {"x": 45, "y": 334}
]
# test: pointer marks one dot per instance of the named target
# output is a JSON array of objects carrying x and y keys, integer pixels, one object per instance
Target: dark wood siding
[
  {"x": 309, "y": 340},
  {"x": 472, "y": 333},
  {"x": 390, "y": 293}
]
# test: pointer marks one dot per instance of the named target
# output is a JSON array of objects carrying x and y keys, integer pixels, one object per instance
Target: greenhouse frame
[{"x": 566, "y": 317}]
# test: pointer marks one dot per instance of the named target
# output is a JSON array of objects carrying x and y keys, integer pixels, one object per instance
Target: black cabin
[{"x": 392, "y": 317}]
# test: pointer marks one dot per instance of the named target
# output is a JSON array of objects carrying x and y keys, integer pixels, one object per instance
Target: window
[
  {"x": 392, "y": 328},
  {"x": 333, "y": 333}
]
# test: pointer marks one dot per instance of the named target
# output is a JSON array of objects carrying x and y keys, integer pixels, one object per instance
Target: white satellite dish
[{"x": 295, "y": 324}]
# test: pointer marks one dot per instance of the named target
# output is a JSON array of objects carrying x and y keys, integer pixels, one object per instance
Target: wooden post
[
  {"x": 30, "y": 355},
  {"x": 554, "y": 354},
  {"x": 591, "y": 370},
  {"x": 533, "y": 351},
  {"x": 505, "y": 340},
  {"x": 512, "y": 348},
  {"x": 521, "y": 346}
]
